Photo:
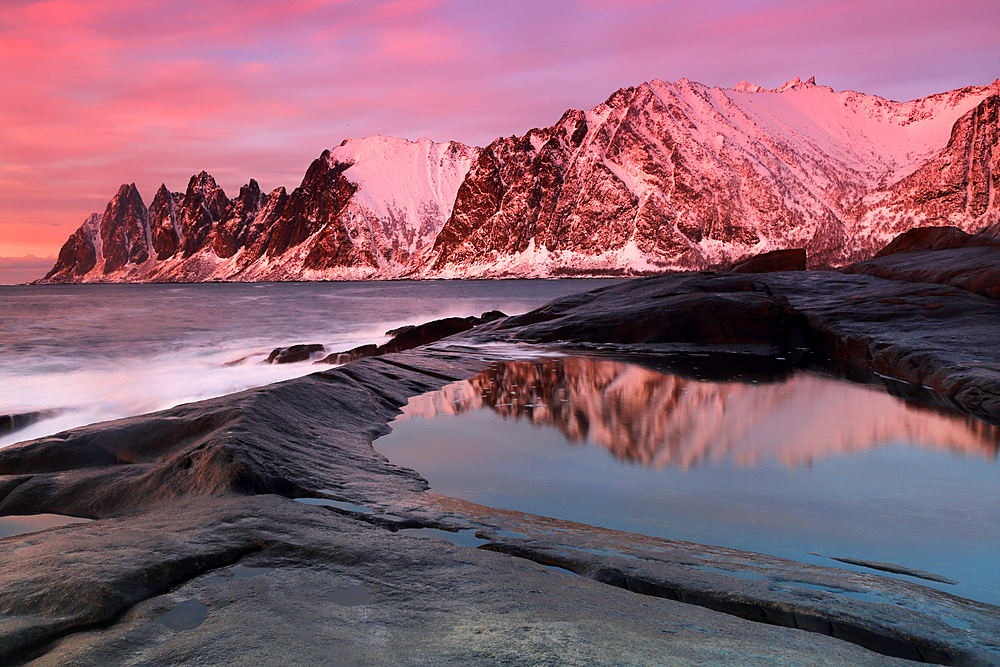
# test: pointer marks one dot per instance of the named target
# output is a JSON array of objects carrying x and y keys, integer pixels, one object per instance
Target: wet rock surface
[
  {"x": 411, "y": 336},
  {"x": 16, "y": 421},
  {"x": 319, "y": 586},
  {"x": 186, "y": 496},
  {"x": 294, "y": 353}
]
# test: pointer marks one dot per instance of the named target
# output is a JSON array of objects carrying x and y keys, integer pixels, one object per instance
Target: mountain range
[{"x": 659, "y": 177}]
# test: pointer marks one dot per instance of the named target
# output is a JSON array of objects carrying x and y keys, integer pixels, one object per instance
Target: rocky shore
[{"x": 263, "y": 528}]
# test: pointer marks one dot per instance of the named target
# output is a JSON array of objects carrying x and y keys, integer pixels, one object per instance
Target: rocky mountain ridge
[
  {"x": 660, "y": 176},
  {"x": 396, "y": 199}
]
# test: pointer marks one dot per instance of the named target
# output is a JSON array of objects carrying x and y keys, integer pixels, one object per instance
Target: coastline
[{"x": 185, "y": 494}]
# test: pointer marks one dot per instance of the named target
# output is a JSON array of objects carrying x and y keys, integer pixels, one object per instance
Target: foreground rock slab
[{"x": 266, "y": 580}]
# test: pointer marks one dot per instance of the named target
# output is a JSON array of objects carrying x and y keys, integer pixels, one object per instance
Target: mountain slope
[{"x": 680, "y": 175}]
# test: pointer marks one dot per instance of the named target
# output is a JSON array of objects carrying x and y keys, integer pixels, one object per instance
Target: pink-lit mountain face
[{"x": 661, "y": 176}]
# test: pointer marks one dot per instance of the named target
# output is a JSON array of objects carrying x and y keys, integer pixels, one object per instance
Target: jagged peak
[
  {"x": 619, "y": 97},
  {"x": 797, "y": 83},
  {"x": 128, "y": 196},
  {"x": 127, "y": 189},
  {"x": 202, "y": 181},
  {"x": 250, "y": 191},
  {"x": 747, "y": 87}
]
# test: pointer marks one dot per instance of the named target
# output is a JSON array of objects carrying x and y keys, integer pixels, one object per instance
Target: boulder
[
  {"x": 294, "y": 353},
  {"x": 706, "y": 308},
  {"x": 935, "y": 238},
  {"x": 791, "y": 259}
]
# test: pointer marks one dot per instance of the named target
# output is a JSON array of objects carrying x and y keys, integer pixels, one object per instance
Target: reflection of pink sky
[
  {"x": 663, "y": 420},
  {"x": 101, "y": 92},
  {"x": 19, "y": 525}
]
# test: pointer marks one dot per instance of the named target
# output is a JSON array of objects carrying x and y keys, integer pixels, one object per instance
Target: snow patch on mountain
[{"x": 406, "y": 189}]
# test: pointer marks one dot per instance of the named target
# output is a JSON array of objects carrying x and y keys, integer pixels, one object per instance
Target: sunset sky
[{"x": 96, "y": 93}]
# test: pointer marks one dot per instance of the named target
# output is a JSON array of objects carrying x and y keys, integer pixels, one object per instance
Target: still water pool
[{"x": 809, "y": 468}]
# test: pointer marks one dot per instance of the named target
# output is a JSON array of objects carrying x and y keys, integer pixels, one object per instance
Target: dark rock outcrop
[
  {"x": 990, "y": 231},
  {"x": 935, "y": 238},
  {"x": 705, "y": 308},
  {"x": 16, "y": 421},
  {"x": 399, "y": 330},
  {"x": 945, "y": 255},
  {"x": 293, "y": 353},
  {"x": 793, "y": 259},
  {"x": 409, "y": 337},
  {"x": 360, "y": 352}
]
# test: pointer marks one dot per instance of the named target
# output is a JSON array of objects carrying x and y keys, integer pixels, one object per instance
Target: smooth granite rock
[
  {"x": 410, "y": 336},
  {"x": 266, "y": 580}
]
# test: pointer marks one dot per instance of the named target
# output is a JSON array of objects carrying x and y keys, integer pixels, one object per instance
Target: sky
[{"x": 97, "y": 93}]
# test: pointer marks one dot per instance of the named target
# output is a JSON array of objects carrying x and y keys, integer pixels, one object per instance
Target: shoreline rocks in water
[
  {"x": 16, "y": 421},
  {"x": 411, "y": 336},
  {"x": 196, "y": 510},
  {"x": 294, "y": 353}
]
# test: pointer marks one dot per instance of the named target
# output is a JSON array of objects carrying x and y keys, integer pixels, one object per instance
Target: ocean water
[
  {"x": 92, "y": 353},
  {"x": 807, "y": 467}
]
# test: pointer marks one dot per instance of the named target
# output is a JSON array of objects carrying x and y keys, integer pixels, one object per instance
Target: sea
[{"x": 92, "y": 353}]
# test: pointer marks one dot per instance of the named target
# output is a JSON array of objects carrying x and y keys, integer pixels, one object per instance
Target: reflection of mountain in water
[{"x": 656, "y": 419}]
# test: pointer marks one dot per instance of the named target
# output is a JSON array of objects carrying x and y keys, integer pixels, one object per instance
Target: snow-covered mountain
[
  {"x": 661, "y": 176},
  {"x": 364, "y": 209},
  {"x": 680, "y": 175}
]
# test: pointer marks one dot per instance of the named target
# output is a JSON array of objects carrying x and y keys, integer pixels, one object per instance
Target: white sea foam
[{"x": 102, "y": 352}]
